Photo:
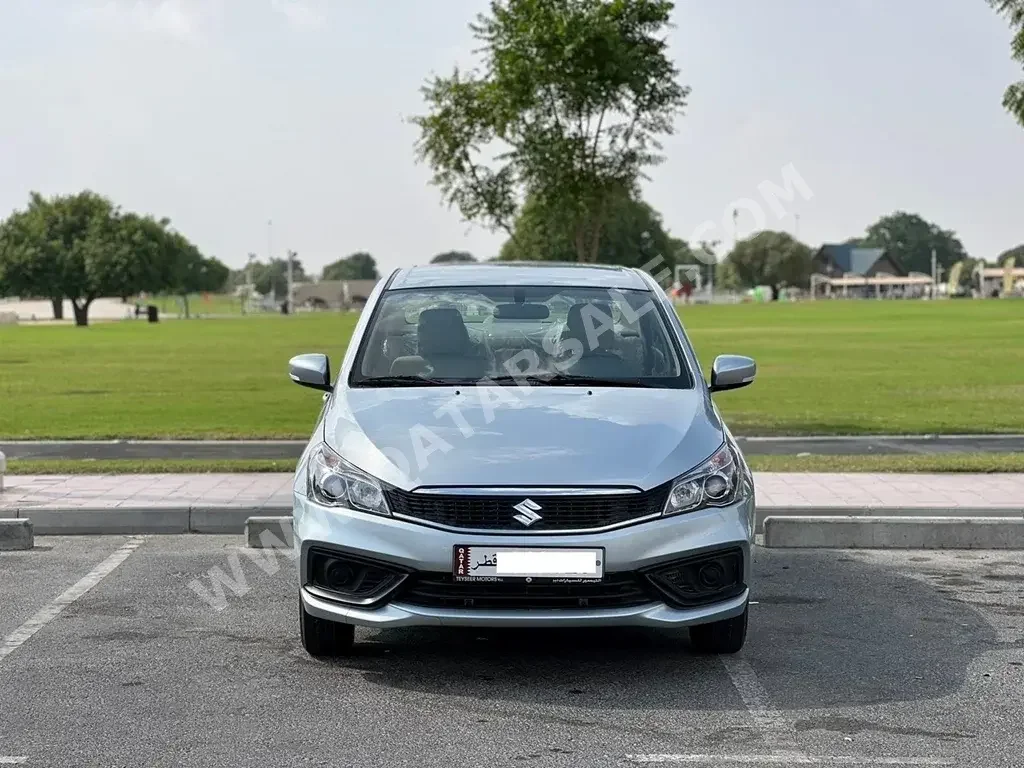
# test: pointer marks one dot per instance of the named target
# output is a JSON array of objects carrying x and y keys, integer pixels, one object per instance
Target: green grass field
[{"x": 824, "y": 368}]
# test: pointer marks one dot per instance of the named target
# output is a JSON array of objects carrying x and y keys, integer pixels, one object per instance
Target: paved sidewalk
[
  {"x": 890, "y": 491},
  {"x": 26, "y": 492},
  {"x": 952, "y": 492}
]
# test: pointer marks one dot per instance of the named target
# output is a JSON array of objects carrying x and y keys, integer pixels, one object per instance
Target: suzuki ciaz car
[{"x": 522, "y": 445}]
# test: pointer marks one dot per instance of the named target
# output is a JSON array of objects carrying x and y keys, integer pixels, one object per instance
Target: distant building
[
  {"x": 847, "y": 259},
  {"x": 851, "y": 271},
  {"x": 333, "y": 294},
  {"x": 991, "y": 281}
]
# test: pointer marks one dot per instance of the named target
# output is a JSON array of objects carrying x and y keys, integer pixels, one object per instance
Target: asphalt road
[
  {"x": 291, "y": 449},
  {"x": 853, "y": 659}
]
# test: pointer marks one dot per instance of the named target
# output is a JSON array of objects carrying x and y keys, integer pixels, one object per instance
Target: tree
[
  {"x": 31, "y": 260},
  {"x": 634, "y": 237},
  {"x": 564, "y": 116},
  {"x": 82, "y": 247},
  {"x": 5, "y": 244},
  {"x": 1017, "y": 254},
  {"x": 453, "y": 257},
  {"x": 774, "y": 259},
  {"x": 191, "y": 272},
  {"x": 107, "y": 252},
  {"x": 358, "y": 266},
  {"x": 273, "y": 276},
  {"x": 726, "y": 277},
  {"x": 1013, "y": 10},
  {"x": 910, "y": 239},
  {"x": 154, "y": 249},
  {"x": 240, "y": 277},
  {"x": 79, "y": 239}
]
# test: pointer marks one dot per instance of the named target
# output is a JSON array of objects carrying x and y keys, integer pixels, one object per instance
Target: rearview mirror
[
  {"x": 313, "y": 371},
  {"x": 521, "y": 312},
  {"x": 732, "y": 372}
]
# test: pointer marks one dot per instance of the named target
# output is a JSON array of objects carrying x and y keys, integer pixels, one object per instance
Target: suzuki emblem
[{"x": 527, "y": 509}]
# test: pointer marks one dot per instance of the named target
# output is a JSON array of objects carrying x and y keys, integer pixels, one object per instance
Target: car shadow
[{"x": 826, "y": 630}]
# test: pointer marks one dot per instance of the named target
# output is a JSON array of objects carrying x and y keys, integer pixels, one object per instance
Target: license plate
[{"x": 554, "y": 565}]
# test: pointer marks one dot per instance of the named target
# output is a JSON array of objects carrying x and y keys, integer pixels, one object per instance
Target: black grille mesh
[
  {"x": 497, "y": 513},
  {"x": 438, "y": 590}
]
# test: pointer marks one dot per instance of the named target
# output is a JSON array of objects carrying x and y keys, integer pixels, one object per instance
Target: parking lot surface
[{"x": 119, "y": 651}]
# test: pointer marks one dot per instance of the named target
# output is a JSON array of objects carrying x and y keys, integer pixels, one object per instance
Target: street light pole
[
  {"x": 249, "y": 289},
  {"x": 270, "y": 259},
  {"x": 288, "y": 301}
]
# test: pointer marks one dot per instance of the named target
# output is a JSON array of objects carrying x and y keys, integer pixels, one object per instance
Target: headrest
[
  {"x": 442, "y": 331},
  {"x": 409, "y": 365},
  {"x": 395, "y": 323},
  {"x": 597, "y": 319}
]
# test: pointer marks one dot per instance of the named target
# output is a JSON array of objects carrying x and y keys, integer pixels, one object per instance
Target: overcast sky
[{"x": 222, "y": 114}]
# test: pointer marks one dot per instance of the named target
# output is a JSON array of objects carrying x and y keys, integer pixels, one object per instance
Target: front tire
[
  {"x": 322, "y": 638},
  {"x": 725, "y": 636}
]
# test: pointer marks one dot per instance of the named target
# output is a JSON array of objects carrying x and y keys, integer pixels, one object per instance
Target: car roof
[{"x": 538, "y": 273}]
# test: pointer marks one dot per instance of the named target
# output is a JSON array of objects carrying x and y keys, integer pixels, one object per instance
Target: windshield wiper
[
  {"x": 411, "y": 381},
  {"x": 563, "y": 380}
]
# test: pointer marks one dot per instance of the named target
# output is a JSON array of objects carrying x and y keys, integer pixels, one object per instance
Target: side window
[
  {"x": 656, "y": 351},
  {"x": 376, "y": 355},
  {"x": 392, "y": 337}
]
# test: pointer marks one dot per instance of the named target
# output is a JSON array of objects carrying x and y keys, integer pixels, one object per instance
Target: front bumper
[
  {"x": 397, "y": 614},
  {"x": 425, "y": 549}
]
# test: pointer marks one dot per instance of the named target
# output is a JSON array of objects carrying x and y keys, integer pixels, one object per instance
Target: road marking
[
  {"x": 777, "y": 731},
  {"x": 8, "y": 760},
  {"x": 790, "y": 759},
  {"x": 775, "y": 728},
  {"x": 49, "y": 612}
]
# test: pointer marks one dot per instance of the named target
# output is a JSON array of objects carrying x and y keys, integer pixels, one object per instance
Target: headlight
[
  {"x": 333, "y": 482},
  {"x": 713, "y": 484}
]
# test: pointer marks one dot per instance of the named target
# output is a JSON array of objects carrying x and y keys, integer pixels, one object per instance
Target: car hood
[{"x": 538, "y": 436}]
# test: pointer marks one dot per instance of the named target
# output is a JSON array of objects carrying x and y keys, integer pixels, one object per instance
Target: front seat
[
  {"x": 602, "y": 361},
  {"x": 444, "y": 342}
]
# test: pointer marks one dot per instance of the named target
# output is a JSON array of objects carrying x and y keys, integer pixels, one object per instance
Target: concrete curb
[
  {"x": 835, "y": 527},
  {"x": 761, "y": 513},
  {"x": 98, "y": 521},
  {"x": 269, "y": 533},
  {"x": 15, "y": 535},
  {"x": 889, "y": 532}
]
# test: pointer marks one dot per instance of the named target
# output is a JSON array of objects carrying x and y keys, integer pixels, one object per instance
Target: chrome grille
[{"x": 497, "y": 512}]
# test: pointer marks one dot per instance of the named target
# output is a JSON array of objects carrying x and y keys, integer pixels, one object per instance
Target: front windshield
[{"x": 494, "y": 334}]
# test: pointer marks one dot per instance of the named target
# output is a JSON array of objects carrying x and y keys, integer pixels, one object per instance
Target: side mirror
[
  {"x": 313, "y": 371},
  {"x": 732, "y": 372}
]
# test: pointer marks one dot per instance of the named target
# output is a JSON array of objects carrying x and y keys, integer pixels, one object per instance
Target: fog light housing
[
  {"x": 701, "y": 579},
  {"x": 711, "y": 575},
  {"x": 338, "y": 575},
  {"x": 350, "y": 579}
]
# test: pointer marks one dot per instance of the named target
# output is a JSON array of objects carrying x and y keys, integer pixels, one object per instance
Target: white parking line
[
  {"x": 791, "y": 759},
  {"x": 50, "y": 611},
  {"x": 775, "y": 728},
  {"x": 777, "y": 731},
  {"x": 9, "y": 760}
]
